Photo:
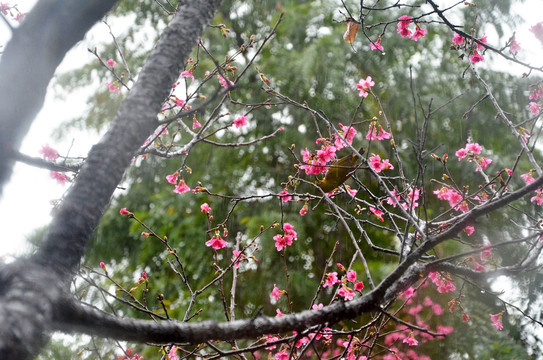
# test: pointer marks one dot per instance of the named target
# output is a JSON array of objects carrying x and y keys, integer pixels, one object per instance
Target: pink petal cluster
[
  {"x": 285, "y": 239},
  {"x": 113, "y": 87},
  {"x": 379, "y": 165},
  {"x": 443, "y": 284},
  {"x": 331, "y": 279},
  {"x": 538, "y": 198},
  {"x": 537, "y": 30},
  {"x": 239, "y": 256},
  {"x": 62, "y": 179},
  {"x": 188, "y": 74},
  {"x": 276, "y": 293},
  {"x": 224, "y": 82},
  {"x": 346, "y": 293},
  {"x": 410, "y": 340},
  {"x": 458, "y": 39},
  {"x": 377, "y": 213},
  {"x": 283, "y": 195},
  {"x": 376, "y": 45},
  {"x": 48, "y": 152},
  {"x": 313, "y": 164},
  {"x": 364, "y": 86},
  {"x": 216, "y": 242},
  {"x": 377, "y": 132},
  {"x": 304, "y": 209},
  {"x": 111, "y": 62},
  {"x": 195, "y": 123},
  {"x": 497, "y": 320},
  {"x": 205, "y": 208},
  {"x": 535, "y": 108},
  {"x": 181, "y": 187},
  {"x": 471, "y": 151},
  {"x": 514, "y": 48},
  {"x": 347, "y": 132},
  {"x": 412, "y": 202},
  {"x": 240, "y": 121},
  {"x": 476, "y": 57},
  {"x": 403, "y": 28}
]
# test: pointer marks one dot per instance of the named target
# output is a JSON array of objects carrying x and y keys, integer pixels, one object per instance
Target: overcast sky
[{"x": 26, "y": 203}]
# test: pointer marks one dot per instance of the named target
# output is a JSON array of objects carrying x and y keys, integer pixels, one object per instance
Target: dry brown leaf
[{"x": 350, "y": 33}]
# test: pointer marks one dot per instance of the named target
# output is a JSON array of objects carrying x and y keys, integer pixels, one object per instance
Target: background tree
[{"x": 253, "y": 167}]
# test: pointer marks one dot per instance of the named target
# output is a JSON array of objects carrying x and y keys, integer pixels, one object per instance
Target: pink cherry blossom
[
  {"x": 111, "y": 62},
  {"x": 538, "y": 198},
  {"x": 346, "y": 293},
  {"x": 443, "y": 284},
  {"x": 205, "y": 208},
  {"x": 113, "y": 88},
  {"x": 403, "y": 25},
  {"x": 48, "y": 152},
  {"x": 486, "y": 253},
  {"x": 376, "y": 45},
  {"x": 437, "y": 309},
  {"x": 304, "y": 210},
  {"x": 188, "y": 74},
  {"x": 123, "y": 211},
  {"x": 326, "y": 154},
  {"x": 240, "y": 121},
  {"x": 172, "y": 179},
  {"x": 476, "y": 57},
  {"x": 282, "y": 355},
  {"x": 461, "y": 153},
  {"x": 474, "y": 148},
  {"x": 283, "y": 197},
  {"x": 482, "y": 163},
  {"x": 409, "y": 293},
  {"x": 276, "y": 293},
  {"x": 4, "y": 7},
  {"x": 216, "y": 242},
  {"x": 410, "y": 340},
  {"x": 224, "y": 83},
  {"x": 239, "y": 256},
  {"x": 458, "y": 39},
  {"x": 482, "y": 39},
  {"x": 364, "y": 85},
  {"x": 418, "y": 33},
  {"x": 497, "y": 320},
  {"x": 62, "y": 179},
  {"x": 469, "y": 230},
  {"x": 331, "y": 279},
  {"x": 378, "y": 213},
  {"x": 280, "y": 242},
  {"x": 514, "y": 48},
  {"x": 534, "y": 108},
  {"x": 537, "y": 29},
  {"x": 172, "y": 353},
  {"x": 359, "y": 286},
  {"x": 181, "y": 187},
  {"x": 351, "y": 276},
  {"x": 195, "y": 123}
]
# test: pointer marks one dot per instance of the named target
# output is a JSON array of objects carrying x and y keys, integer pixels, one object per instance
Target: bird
[{"x": 339, "y": 172}]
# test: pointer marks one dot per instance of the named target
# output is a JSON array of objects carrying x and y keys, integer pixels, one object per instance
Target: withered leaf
[{"x": 350, "y": 33}]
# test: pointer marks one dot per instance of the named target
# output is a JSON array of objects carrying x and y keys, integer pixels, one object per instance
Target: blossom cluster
[
  {"x": 404, "y": 31},
  {"x": 285, "y": 239}
]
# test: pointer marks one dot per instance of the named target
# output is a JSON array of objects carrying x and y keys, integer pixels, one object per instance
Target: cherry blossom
[
  {"x": 538, "y": 198},
  {"x": 514, "y": 48},
  {"x": 61, "y": 178},
  {"x": 48, "y": 152},
  {"x": 376, "y": 45},
  {"x": 331, "y": 279},
  {"x": 403, "y": 26},
  {"x": 497, "y": 320},
  {"x": 378, "y": 213},
  {"x": 418, "y": 33},
  {"x": 534, "y": 108},
  {"x": 364, "y": 85},
  {"x": 351, "y": 276},
  {"x": 240, "y": 121},
  {"x": 205, "y": 208},
  {"x": 476, "y": 57},
  {"x": 458, "y": 39},
  {"x": 111, "y": 62},
  {"x": 188, "y": 74},
  {"x": 216, "y": 242},
  {"x": 123, "y": 211},
  {"x": 537, "y": 29},
  {"x": 181, "y": 187},
  {"x": 113, "y": 87},
  {"x": 410, "y": 340},
  {"x": 276, "y": 293},
  {"x": 283, "y": 197},
  {"x": 172, "y": 179}
]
